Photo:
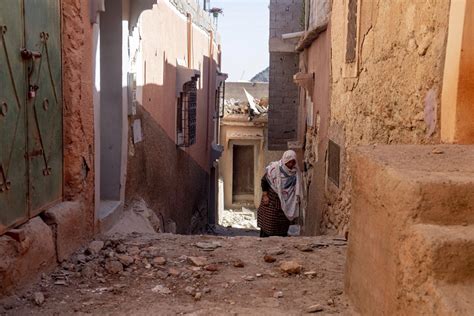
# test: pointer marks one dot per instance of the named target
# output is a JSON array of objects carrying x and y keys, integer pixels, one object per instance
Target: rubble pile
[
  {"x": 252, "y": 107},
  {"x": 243, "y": 218}
]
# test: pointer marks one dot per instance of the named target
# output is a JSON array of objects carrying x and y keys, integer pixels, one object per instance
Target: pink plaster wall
[{"x": 164, "y": 40}]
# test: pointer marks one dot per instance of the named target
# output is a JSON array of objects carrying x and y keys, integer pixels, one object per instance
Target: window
[
  {"x": 186, "y": 114},
  {"x": 334, "y": 161}
]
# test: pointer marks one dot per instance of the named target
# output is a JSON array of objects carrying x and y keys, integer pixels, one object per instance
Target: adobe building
[
  {"x": 117, "y": 109},
  {"x": 243, "y": 137},
  {"x": 404, "y": 81}
]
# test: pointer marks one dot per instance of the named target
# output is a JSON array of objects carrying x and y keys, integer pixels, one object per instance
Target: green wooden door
[
  {"x": 33, "y": 168},
  {"x": 13, "y": 166},
  {"x": 42, "y": 31}
]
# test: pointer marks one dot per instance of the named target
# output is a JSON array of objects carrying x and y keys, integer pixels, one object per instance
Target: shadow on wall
[{"x": 167, "y": 177}]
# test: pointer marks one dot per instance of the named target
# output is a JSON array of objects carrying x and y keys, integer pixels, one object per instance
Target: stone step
[
  {"x": 441, "y": 253},
  {"x": 446, "y": 202}
]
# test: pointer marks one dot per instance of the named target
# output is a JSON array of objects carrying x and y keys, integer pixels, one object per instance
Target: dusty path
[{"x": 154, "y": 275}]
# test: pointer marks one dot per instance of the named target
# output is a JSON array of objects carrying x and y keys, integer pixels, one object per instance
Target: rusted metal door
[{"x": 31, "y": 158}]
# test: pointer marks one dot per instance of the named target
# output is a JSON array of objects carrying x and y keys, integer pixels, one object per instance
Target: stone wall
[
  {"x": 285, "y": 17},
  {"x": 391, "y": 94}
]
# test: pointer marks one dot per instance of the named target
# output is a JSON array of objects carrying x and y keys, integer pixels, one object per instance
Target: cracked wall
[{"x": 391, "y": 94}]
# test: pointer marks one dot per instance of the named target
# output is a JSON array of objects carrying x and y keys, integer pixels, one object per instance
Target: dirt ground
[{"x": 166, "y": 274}]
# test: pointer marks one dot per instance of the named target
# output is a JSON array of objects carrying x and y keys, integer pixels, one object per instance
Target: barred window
[{"x": 186, "y": 114}]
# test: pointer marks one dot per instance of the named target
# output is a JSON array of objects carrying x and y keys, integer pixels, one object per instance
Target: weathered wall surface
[
  {"x": 392, "y": 95},
  {"x": 174, "y": 181}
]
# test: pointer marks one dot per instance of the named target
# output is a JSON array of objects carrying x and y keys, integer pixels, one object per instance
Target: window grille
[{"x": 186, "y": 114}]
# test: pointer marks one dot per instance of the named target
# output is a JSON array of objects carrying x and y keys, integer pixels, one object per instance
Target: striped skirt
[{"x": 270, "y": 218}]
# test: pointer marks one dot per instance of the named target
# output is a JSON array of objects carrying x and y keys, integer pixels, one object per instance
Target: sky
[{"x": 244, "y": 29}]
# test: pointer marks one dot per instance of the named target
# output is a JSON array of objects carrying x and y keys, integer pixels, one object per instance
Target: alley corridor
[{"x": 165, "y": 274}]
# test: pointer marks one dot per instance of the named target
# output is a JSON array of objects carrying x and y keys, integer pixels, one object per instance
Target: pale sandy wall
[{"x": 394, "y": 97}]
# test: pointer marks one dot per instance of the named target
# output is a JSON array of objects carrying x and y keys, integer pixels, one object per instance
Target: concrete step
[{"x": 446, "y": 253}]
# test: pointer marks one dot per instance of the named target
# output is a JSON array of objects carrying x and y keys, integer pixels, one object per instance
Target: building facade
[{"x": 105, "y": 102}]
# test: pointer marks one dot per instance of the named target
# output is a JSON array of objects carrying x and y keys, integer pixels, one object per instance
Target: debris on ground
[{"x": 166, "y": 274}]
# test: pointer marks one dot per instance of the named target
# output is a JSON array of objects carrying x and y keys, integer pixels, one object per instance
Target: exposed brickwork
[
  {"x": 282, "y": 118},
  {"x": 285, "y": 17}
]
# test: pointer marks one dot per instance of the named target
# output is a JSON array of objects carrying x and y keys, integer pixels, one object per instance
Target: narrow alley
[
  {"x": 237, "y": 157},
  {"x": 166, "y": 274}
]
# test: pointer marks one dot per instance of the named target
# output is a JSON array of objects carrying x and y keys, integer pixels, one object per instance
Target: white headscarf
[{"x": 287, "y": 184}]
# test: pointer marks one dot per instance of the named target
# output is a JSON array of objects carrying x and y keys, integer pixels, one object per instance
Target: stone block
[
  {"x": 23, "y": 262},
  {"x": 68, "y": 221}
]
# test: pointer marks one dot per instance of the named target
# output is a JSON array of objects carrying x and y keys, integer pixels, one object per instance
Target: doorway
[{"x": 243, "y": 173}]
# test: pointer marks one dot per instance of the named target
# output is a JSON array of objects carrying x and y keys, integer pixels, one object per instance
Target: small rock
[
  {"x": 190, "y": 290},
  {"x": 239, "y": 263},
  {"x": 198, "y": 296},
  {"x": 304, "y": 248},
  {"x": 161, "y": 289},
  {"x": 133, "y": 251},
  {"x": 330, "y": 302},
  {"x": 269, "y": 259},
  {"x": 197, "y": 261},
  {"x": 153, "y": 251},
  {"x": 291, "y": 267},
  {"x": 174, "y": 272},
  {"x": 278, "y": 294},
  {"x": 311, "y": 273},
  {"x": 208, "y": 246},
  {"x": 276, "y": 252},
  {"x": 206, "y": 290},
  {"x": 259, "y": 275},
  {"x": 314, "y": 309},
  {"x": 212, "y": 267},
  {"x": 113, "y": 267},
  {"x": 88, "y": 272},
  {"x": 121, "y": 248},
  {"x": 249, "y": 278},
  {"x": 125, "y": 260},
  {"x": 437, "y": 151},
  {"x": 38, "y": 297},
  {"x": 159, "y": 261},
  {"x": 95, "y": 247}
]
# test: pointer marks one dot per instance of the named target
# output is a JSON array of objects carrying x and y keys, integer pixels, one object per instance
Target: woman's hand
[{"x": 265, "y": 199}]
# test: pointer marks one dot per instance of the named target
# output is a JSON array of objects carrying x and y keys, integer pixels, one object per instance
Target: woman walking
[{"x": 282, "y": 193}]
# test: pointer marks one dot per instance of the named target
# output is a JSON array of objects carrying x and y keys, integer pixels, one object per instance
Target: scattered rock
[
  {"x": 197, "y": 261},
  {"x": 125, "y": 260},
  {"x": 249, "y": 278},
  {"x": 314, "y": 309},
  {"x": 212, "y": 267},
  {"x": 206, "y": 290},
  {"x": 38, "y": 298},
  {"x": 269, "y": 259},
  {"x": 304, "y": 248},
  {"x": 239, "y": 263},
  {"x": 208, "y": 246},
  {"x": 190, "y": 290},
  {"x": 153, "y": 251},
  {"x": 80, "y": 258},
  {"x": 197, "y": 296},
  {"x": 121, "y": 248},
  {"x": 291, "y": 267},
  {"x": 278, "y": 294},
  {"x": 113, "y": 267},
  {"x": 159, "y": 261},
  {"x": 276, "y": 252},
  {"x": 95, "y": 247},
  {"x": 161, "y": 289},
  {"x": 88, "y": 271},
  {"x": 174, "y": 272},
  {"x": 133, "y": 251}
]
